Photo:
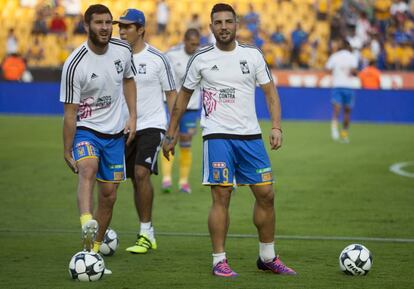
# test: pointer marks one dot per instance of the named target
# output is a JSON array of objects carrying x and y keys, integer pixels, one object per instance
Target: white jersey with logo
[
  {"x": 95, "y": 83},
  {"x": 227, "y": 80},
  {"x": 154, "y": 77},
  {"x": 342, "y": 63},
  {"x": 179, "y": 60}
]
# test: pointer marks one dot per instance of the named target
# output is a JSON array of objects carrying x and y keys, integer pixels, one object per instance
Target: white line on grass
[
  {"x": 398, "y": 169},
  {"x": 243, "y": 236}
]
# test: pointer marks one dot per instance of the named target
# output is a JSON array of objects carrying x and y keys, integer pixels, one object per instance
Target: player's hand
[
  {"x": 130, "y": 129},
  {"x": 168, "y": 145},
  {"x": 70, "y": 162},
  {"x": 275, "y": 138}
]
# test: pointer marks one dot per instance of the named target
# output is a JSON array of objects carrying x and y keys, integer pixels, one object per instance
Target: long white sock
[
  {"x": 334, "y": 130},
  {"x": 267, "y": 251},
  {"x": 218, "y": 257},
  {"x": 148, "y": 230}
]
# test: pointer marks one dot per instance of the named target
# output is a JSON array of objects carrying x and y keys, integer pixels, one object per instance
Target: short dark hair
[
  {"x": 191, "y": 32},
  {"x": 221, "y": 7},
  {"x": 96, "y": 9}
]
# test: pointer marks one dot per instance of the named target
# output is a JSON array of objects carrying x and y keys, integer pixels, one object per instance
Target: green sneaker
[{"x": 142, "y": 245}]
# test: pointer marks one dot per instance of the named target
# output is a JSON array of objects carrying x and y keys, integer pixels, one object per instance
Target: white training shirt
[
  {"x": 179, "y": 60},
  {"x": 227, "y": 81},
  {"x": 95, "y": 83},
  {"x": 341, "y": 63},
  {"x": 154, "y": 77}
]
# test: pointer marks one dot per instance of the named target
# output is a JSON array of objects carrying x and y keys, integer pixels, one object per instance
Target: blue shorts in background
[
  {"x": 343, "y": 96},
  {"x": 243, "y": 162},
  {"x": 108, "y": 151},
  {"x": 188, "y": 123}
]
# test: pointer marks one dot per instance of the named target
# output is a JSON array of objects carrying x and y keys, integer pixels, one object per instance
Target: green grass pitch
[{"x": 324, "y": 189}]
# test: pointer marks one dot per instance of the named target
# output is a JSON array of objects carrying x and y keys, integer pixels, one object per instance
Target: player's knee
[
  {"x": 267, "y": 197},
  {"x": 109, "y": 196},
  {"x": 141, "y": 173}
]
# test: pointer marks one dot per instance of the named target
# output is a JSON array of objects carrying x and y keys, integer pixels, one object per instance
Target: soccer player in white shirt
[
  {"x": 154, "y": 79},
  {"x": 93, "y": 126},
  {"x": 343, "y": 65},
  {"x": 227, "y": 73},
  {"x": 179, "y": 56}
]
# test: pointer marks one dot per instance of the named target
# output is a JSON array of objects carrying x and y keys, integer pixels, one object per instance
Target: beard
[
  {"x": 94, "y": 37},
  {"x": 230, "y": 38}
]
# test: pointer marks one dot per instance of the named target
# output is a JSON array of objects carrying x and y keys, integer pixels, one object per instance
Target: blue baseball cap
[{"x": 132, "y": 16}]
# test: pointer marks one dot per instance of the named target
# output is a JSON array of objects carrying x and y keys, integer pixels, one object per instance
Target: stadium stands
[{"x": 316, "y": 16}]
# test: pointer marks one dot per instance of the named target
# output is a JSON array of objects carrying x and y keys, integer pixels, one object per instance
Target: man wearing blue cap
[{"x": 154, "y": 79}]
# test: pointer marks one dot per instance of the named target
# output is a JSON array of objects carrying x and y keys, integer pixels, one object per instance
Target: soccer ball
[
  {"x": 86, "y": 266},
  {"x": 355, "y": 259},
  {"x": 110, "y": 243}
]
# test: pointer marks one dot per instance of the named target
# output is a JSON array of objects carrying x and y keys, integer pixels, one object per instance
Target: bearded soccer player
[
  {"x": 93, "y": 126},
  {"x": 233, "y": 149}
]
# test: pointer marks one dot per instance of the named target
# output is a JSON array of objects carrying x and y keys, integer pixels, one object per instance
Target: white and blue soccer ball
[
  {"x": 86, "y": 266},
  {"x": 355, "y": 260},
  {"x": 110, "y": 243}
]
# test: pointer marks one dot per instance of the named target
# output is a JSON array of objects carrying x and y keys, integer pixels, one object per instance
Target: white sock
[
  {"x": 148, "y": 230},
  {"x": 267, "y": 251},
  {"x": 218, "y": 257},
  {"x": 334, "y": 129}
]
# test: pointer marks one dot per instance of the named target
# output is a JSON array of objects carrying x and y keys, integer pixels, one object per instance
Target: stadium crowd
[{"x": 291, "y": 33}]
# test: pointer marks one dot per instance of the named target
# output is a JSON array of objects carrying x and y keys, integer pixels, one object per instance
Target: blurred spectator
[
  {"x": 375, "y": 45},
  {"x": 349, "y": 13},
  {"x": 277, "y": 36},
  {"x": 363, "y": 27},
  {"x": 366, "y": 55},
  {"x": 57, "y": 24},
  {"x": 72, "y": 7},
  {"x": 337, "y": 27},
  {"x": 194, "y": 22},
  {"x": 382, "y": 14},
  {"x": 399, "y": 6},
  {"x": 12, "y": 44},
  {"x": 305, "y": 54},
  {"x": 391, "y": 60},
  {"x": 163, "y": 15},
  {"x": 79, "y": 25},
  {"x": 322, "y": 9},
  {"x": 401, "y": 35},
  {"x": 39, "y": 25},
  {"x": 370, "y": 76},
  {"x": 252, "y": 20},
  {"x": 297, "y": 37},
  {"x": 405, "y": 56},
  {"x": 35, "y": 55},
  {"x": 355, "y": 42},
  {"x": 13, "y": 67}
]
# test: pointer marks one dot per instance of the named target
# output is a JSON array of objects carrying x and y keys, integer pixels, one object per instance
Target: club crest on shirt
[
  {"x": 216, "y": 175},
  {"x": 118, "y": 66},
  {"x": 118, "y": 176},
  {"x": 142, "y": 68},
  {"x": 244, "y": 67}
]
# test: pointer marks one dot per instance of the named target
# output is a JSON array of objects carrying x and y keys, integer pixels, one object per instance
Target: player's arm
[
  {"x": 69, "y": 129},
  {"x": 171, "y": 96},
  {"x": 273, "y": 105},
  {"x": 130, "y": 93},
  {"x": 177, "y": 112}
]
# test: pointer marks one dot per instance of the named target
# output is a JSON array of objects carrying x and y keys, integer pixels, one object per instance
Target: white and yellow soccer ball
[
  {"x": 355, "y": 260},
  {"x": 110, "y": 243},
  {"x": 86, "y": 266}
]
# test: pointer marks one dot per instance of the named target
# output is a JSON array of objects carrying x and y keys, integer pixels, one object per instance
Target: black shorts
[{"x": 143, "y": 150}]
